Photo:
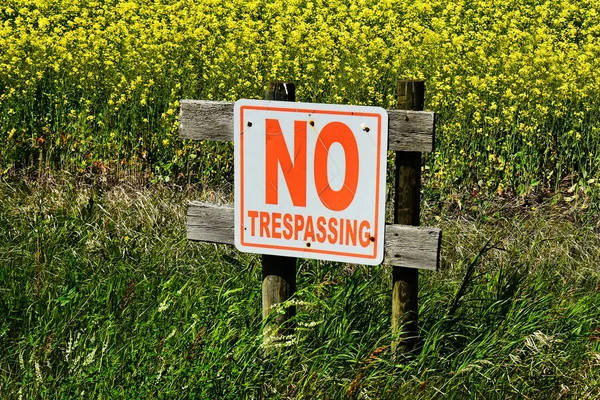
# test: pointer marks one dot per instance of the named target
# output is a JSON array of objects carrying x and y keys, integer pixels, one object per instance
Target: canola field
[
  {"x": 94, "y": 85},
  {"x": 102, "y": 296}
]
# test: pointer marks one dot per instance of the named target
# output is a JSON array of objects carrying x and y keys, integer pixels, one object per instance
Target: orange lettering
[
  {"x": 351, "y": 232},
  {"x": 277, "y": 154},
  {"x": 298, "y": 225},
  {"x": 364, "y": 236},
  {"x": 321, "y": 227},
  {"x": 309, "y": 233},
  {"x": 287, "y": 223},
  {"x": 253, "y": 215},
  {"x": 333, "y": 234},
  {"x": 264, "y": 224},
  {"x": 276, "y": 224},
  {"x": 331, "y": 133}
]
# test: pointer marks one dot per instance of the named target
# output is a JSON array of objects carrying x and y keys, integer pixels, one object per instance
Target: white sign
[{"x": 310, "y": 180}]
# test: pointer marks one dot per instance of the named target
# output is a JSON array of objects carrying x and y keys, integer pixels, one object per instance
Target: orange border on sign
[{"x": 303, "y": 249}]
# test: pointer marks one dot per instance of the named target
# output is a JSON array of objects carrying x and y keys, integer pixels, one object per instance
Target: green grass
[{"x": 101, "y": 296}]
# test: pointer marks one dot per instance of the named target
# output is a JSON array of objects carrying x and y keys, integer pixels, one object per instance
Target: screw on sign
[{"x": 310, "y": 180}]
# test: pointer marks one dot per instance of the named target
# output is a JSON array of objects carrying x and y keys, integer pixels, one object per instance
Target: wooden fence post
[
  {"x": 278, "y": 272},
  {"x": 408, "y": 247},
  {"x": 405, "y": 281}
]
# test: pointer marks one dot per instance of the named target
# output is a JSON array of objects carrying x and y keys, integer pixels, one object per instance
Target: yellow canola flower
[{"x": 504, "y": 76}]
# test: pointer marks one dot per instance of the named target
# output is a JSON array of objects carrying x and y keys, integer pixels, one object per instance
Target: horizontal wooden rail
[
  {"x": 213, "y": 120},
  {"x": 406, "y": 246}
]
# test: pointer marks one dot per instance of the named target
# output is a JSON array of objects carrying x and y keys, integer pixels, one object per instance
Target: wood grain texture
[
  {"x": 278, "y": 285},
  {"x": 210, "y": 223},
  {"x": 213, "y": 120},
  {"x": 407, "y": 201},
  {"x": 278, "y": 272},
  {"x": 412, "y": 247},
  {"x": 406, "y": 246},
  {"x": 411, "y": 131},
  {"x": 199, "y": 120}
]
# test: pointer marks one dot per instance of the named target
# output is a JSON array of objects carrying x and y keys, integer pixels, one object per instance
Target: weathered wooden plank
[
  {"x": 210, "y": 223},
  {"x": 213, "y": 120},
  {"x": 406, "y": 246},
  {"x": 411, "y": 130},
  {"x": 412, "y": 247},
  {"x": 200, "y": 120}
]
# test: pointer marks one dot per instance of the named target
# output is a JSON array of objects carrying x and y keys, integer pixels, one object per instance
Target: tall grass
[
  {"x": 102, "y": 296},
  {"x": 124, "y": 306}
]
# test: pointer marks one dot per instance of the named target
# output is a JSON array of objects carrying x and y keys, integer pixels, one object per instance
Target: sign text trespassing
[{"x": 310, "y": 180}]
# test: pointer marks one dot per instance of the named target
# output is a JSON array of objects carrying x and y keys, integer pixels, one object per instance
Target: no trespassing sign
[{"x": 310, "y": 180}]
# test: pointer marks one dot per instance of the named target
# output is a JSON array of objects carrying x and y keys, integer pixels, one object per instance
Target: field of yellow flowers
[
  {"x": 101, "y": 295},
  {"x": 94, "y": 85}
]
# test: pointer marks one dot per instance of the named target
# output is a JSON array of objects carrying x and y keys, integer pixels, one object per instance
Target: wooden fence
[{"x": 407, "y": 248}]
